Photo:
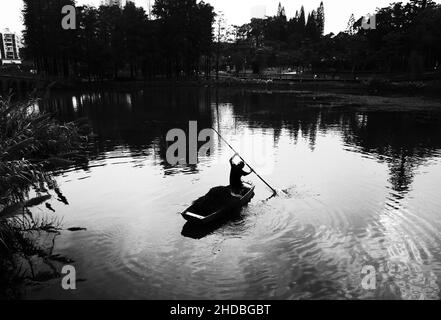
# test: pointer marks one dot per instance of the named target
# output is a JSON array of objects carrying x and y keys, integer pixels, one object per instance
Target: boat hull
[{"x": 222, "y": 212}]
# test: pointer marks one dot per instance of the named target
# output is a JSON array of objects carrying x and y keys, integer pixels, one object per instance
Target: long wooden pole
[{"x": 263, "y": 180}]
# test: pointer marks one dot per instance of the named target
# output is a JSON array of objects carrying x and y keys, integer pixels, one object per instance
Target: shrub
[{"x": 31, "y": 143}]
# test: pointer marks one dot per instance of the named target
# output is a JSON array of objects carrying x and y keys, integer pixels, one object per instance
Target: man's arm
[{"x": 231, "y": 160}]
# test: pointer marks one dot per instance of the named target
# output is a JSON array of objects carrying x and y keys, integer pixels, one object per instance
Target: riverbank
[
  {"x": 370, "y": 87},
  {"x": 389, "y": 103},
  {"x": 363, "y": 95},
  {"x": 427, "y": 86}
]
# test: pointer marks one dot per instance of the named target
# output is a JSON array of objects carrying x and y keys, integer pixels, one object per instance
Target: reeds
[{"x": 31, "y": 144}]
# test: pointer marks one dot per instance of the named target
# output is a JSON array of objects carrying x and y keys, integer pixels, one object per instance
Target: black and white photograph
[{"x": 220, "y": 150}]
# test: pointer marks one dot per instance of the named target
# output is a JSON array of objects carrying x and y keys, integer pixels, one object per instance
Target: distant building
[{"x": 9, "y": 48}]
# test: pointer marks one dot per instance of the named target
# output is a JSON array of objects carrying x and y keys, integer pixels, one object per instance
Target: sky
[{"x": 337, "y": 12}]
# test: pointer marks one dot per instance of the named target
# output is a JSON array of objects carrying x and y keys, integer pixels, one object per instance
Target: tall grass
[{"x": 31, "y": 144}]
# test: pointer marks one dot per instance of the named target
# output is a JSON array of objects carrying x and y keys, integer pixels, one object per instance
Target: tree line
[
  {"x": 405, "y": 39},
  {"x": 183, "y": 39}
]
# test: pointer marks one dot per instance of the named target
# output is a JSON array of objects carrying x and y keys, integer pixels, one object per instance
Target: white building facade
[{"x": 9, "y": 48}]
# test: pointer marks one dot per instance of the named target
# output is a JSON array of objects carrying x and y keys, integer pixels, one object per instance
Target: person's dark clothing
[{"x": 236, "y": 175}]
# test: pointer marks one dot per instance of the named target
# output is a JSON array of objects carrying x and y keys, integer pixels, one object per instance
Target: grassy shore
[
  {"x": 32, "y": 145},
  {"x": 372, "y": 86}
]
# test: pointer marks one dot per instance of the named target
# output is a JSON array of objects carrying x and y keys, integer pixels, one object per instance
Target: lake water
[{"x": 362, "y": 189}]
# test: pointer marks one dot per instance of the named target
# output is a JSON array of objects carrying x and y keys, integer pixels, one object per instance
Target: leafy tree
[
  {"x": 115, "y": 41},
  {"x": 186, "y": 33},
  {"x": 321, "y": 19},
  {"x": 52, "y": 54}
]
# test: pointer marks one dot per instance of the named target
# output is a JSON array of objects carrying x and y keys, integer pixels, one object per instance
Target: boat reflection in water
[{"x": 199, "y": 231}]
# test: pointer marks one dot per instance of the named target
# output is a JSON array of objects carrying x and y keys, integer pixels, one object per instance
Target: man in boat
[{"x": 236, "y": 175}]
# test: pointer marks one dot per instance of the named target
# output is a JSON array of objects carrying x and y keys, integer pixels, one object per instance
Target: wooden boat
[{"x": 246, "y": 194}]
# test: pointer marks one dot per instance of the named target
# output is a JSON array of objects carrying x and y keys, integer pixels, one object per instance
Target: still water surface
[{"x": 363, "y": 189}]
